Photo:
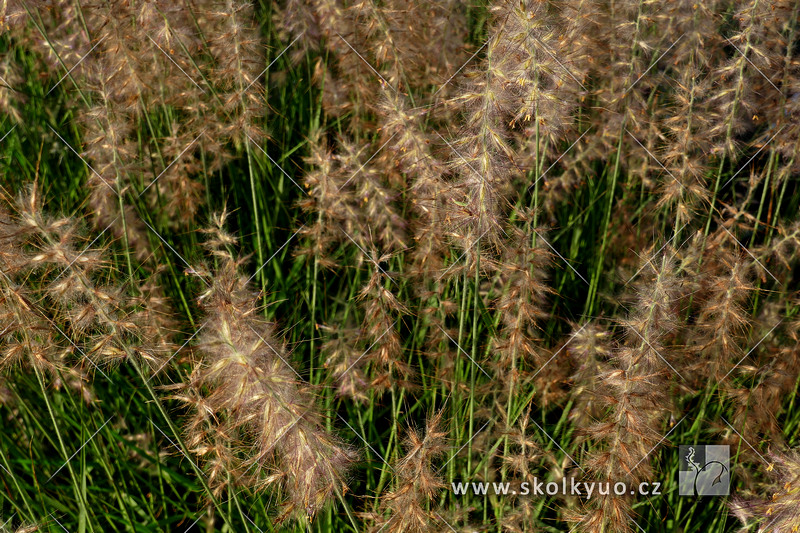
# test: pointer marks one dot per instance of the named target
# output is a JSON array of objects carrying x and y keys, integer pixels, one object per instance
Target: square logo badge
[{"x": 705, "y": 470}]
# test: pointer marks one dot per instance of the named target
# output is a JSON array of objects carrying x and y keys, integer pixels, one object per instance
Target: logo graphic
[{"x": 705, "y": 470}]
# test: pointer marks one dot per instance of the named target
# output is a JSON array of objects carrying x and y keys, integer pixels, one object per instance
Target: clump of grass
[{"x": 568, "y": 230}]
